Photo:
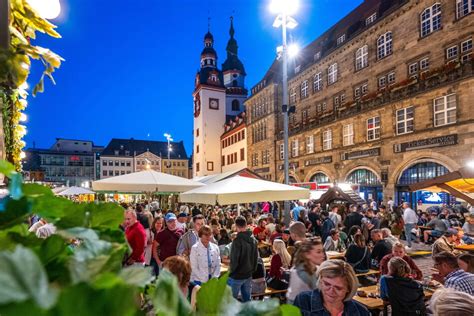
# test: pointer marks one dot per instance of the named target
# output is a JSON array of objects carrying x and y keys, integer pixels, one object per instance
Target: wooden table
[
  {"x": 335, "y": 255},
  {"x": 370, "y": 272},
  {"x": 469, "y": 248},
  {"x": 377, "y": 303}
]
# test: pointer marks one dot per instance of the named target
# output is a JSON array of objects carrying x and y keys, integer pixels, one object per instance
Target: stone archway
[
  {"x": 331, "y": 175},
  {"x": 281, "y": 179}
]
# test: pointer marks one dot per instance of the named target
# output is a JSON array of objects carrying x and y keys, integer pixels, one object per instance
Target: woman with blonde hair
[
  {"x": 405, "y": 295},
  {"x": 336, "y": 286},
  {"x": 309, "y": 255},
  {"x": 280, "y": 260},
  {"x": 449, "y": 302}
]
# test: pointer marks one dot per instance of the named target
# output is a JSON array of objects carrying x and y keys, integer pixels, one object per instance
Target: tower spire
[{"x": 231, "y": 31}]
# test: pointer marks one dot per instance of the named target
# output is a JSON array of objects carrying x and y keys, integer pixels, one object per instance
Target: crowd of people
[{"x": 198, "y": 244}]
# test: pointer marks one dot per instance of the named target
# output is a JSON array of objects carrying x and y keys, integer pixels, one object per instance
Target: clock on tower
[{"x": 214, "y": 104}]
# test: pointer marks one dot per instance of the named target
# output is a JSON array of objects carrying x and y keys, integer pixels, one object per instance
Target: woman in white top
[
  {"x": 205, "y": 258},
  {"x": 309, "y": 255}
]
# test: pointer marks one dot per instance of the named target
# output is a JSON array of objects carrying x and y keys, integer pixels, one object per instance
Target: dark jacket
[
  {"x": 352, "y": 219},
  {"x": 328, "y": 224},
  {"x": 243, "y": 256},
  {"x": 358, "y": 258},
  {"x": 310, "y": 303},
  {"x": 404, "y": 294},
  {"x": 381, "y": 249}
]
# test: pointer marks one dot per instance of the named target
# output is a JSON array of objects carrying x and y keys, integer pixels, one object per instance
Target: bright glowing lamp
[
  {"x": 47, "y": 9},
  {"x": 287, "y": 7},
  {"x": 293, "y": 50}
]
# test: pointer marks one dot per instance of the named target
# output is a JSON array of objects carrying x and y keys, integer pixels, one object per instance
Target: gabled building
[{"x": 124, "y": 156}]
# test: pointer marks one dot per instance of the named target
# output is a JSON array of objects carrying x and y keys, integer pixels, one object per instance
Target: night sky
[{"x": 130, "y": 65}]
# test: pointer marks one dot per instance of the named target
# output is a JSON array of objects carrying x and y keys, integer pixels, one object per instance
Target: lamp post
[
  {"x": 169, "y": 139},
  {"x": 284, "y": 8}
]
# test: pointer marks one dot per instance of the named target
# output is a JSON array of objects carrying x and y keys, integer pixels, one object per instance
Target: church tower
[
  {"x": 234, "y": 76},
  {"x": 209, "y": 112}
]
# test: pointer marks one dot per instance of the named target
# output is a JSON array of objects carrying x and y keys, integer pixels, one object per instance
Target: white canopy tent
[
  {"x": 236, "y": 190},
  {"x": 145, "y": 181},
  {"x": 74, "y": 191}
]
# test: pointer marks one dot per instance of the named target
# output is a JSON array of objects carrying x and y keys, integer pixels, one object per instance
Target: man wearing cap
[
  {"x": 167, "y": 239},
  {"x": 446, "y": 242},
  {"x": 182, "y": 221}
]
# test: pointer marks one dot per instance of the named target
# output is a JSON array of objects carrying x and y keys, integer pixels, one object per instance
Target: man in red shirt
[
  {"x": 398, "y": 250},
  {"x": 260, "y": 232},
  {"x": 136, "y": 237},
  {"x": 167, "y": 239}
]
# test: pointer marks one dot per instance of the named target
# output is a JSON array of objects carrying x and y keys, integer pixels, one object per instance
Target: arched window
[
  {"x": 319, "y": 177},
  {"x": 384, "y": 45},
  {"x": 430, "y": 19},
  {"x": 363, "y": 177},
  {"x": 420, "y": 172},
  {"x": 362, "y": 57},
  {"x": 235, "y": 105}
]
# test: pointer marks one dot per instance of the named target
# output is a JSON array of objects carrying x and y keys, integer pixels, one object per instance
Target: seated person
[
  {"x": 398, "y": 250},
  {"x": 446, "y": 243},
  {"x": 405, "y": 295},
  {"x": 358, "y": 254},
  {"x": 281, "y": 260},
  {"x": 387, "y": 235},
  {"x": 468, "y": 229},
  {"x": 451, "y": 275},
  {"x": 381, "y": 248},
  {"x": 181, "y": 268},
  {"x": 438, "y": 225},
  {"x": 336, "y": 287},
  {"x": 260, "y": 232},
  {"x": 334, "y": 242},
  {"x": 448, "y": 301}
]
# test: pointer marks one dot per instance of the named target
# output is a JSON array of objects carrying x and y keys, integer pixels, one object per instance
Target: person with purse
[
  {"x": 280, "y": 260},
  {"x": 358, "y": 254}
]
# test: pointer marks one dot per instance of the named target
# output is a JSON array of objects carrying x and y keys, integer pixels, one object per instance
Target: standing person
[
  {"x": 280, "y": 260},
  {"x": 190, "y": 237},
  {"x": 381, "y": 248},
  {"x": 390, "y": 204},
  {"x": 308, "y": 257},
  {"x": 398, "y": 250},
  {"x": 158, "y": 226},
  {"x": 404, "y": 294},
  {"x": 334, "y": 216},
  {"x": 243, "y": 261},
  {"x": 337, "y": 285},
  {"x": 358, "y": 254},
  {"x": 166, "y": 240},
  {"x": 315, "y": 221},
  {"x": 295, "y": 212},
  {"x": 182, "y": 221},
  {"x": 136, "y": 238},
  {"x": 328, "y": 224},
  {"x": 451, "y": 275},
  {"x": 410, "y": 219},
  {"x": 205, "y": 258},
  {"x": 353, "y": 218}
]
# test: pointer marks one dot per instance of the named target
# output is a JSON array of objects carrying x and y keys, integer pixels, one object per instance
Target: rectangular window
[
  {"x": 382, "y": 82},
  {"x": 292, "y": 96},
  {"x": 336, "y": 101},
  {"x": 464, "y": 7},
  {"x": 310, "y": 144},
  {"x": 327, "y": 139},
  {"x": 413, "y": 69},
  {"x": 197, "y": 167},
  {"x": 117, "y": 172},
  {"x": 341, "y": 39},
  {"x": 424, "y": 64},
  {"x": 365, "y": 89},
  {"x": 371, "y": 19},
  {"x": 362, "y": 57},
  {"x": 452, "y": 52},
  {"x": 391, "y": 78},
  {"x": 210, "y": 166},
  {"x": 197, "y": 132},
  {"x": 405, "y": 120},
  {"x": 242, "y": 154},
  {"x": 122, "y": 164},
  {"x": 348, "y": 135},
  {"x": 104, "y": 173},
  {"x": 111, "y": 163},
  {"x": 128, "y": 163},
  {"x": 332, "y": 73},
  {"x": 116, "y": 163},
  {"x": 304, "y": 89},
  {"x": 445, "y": 110},
  {"x": 466, "y": 46},
  {"x": 317, "y": 56},
  {"x": 104, "y": 162},
  {"x": 294, "y": 148},
  {"x": 373, "y": 128},
  {"x": 282, "y": 151},
  {"x": 111, "y": 173},
  {"x": 318, "y": 82},
  {"x": 342, "y": 98},
  {"x": 122, "y": 172},
  {"x": 356, "y": 92}
]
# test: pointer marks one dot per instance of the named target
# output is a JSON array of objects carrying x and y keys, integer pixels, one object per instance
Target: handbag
[{"x": 354, "y": 265}]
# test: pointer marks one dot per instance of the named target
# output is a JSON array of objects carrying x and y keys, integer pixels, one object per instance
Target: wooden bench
[
  {"x": 270, "y": 292},
  {"x": 370, "y": 272}
]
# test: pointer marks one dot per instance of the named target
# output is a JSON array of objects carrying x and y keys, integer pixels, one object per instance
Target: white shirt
[
  {"x": 200, "y": 268},
  {"x": 409, "y": 216}
]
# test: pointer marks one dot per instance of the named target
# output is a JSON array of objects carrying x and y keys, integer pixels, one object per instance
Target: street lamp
[
  {"x": 170, "y": 149},
  {"x": 283, "y": 9}
]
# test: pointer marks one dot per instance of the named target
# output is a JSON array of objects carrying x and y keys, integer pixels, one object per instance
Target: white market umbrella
[
  {"x": 145, "y": 181},
  {"x": 75, "y": 191},
  {"x": 236, "y": 190}
]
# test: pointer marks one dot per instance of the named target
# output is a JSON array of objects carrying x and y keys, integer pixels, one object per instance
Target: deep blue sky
[{"x": 130, "y": 65}]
